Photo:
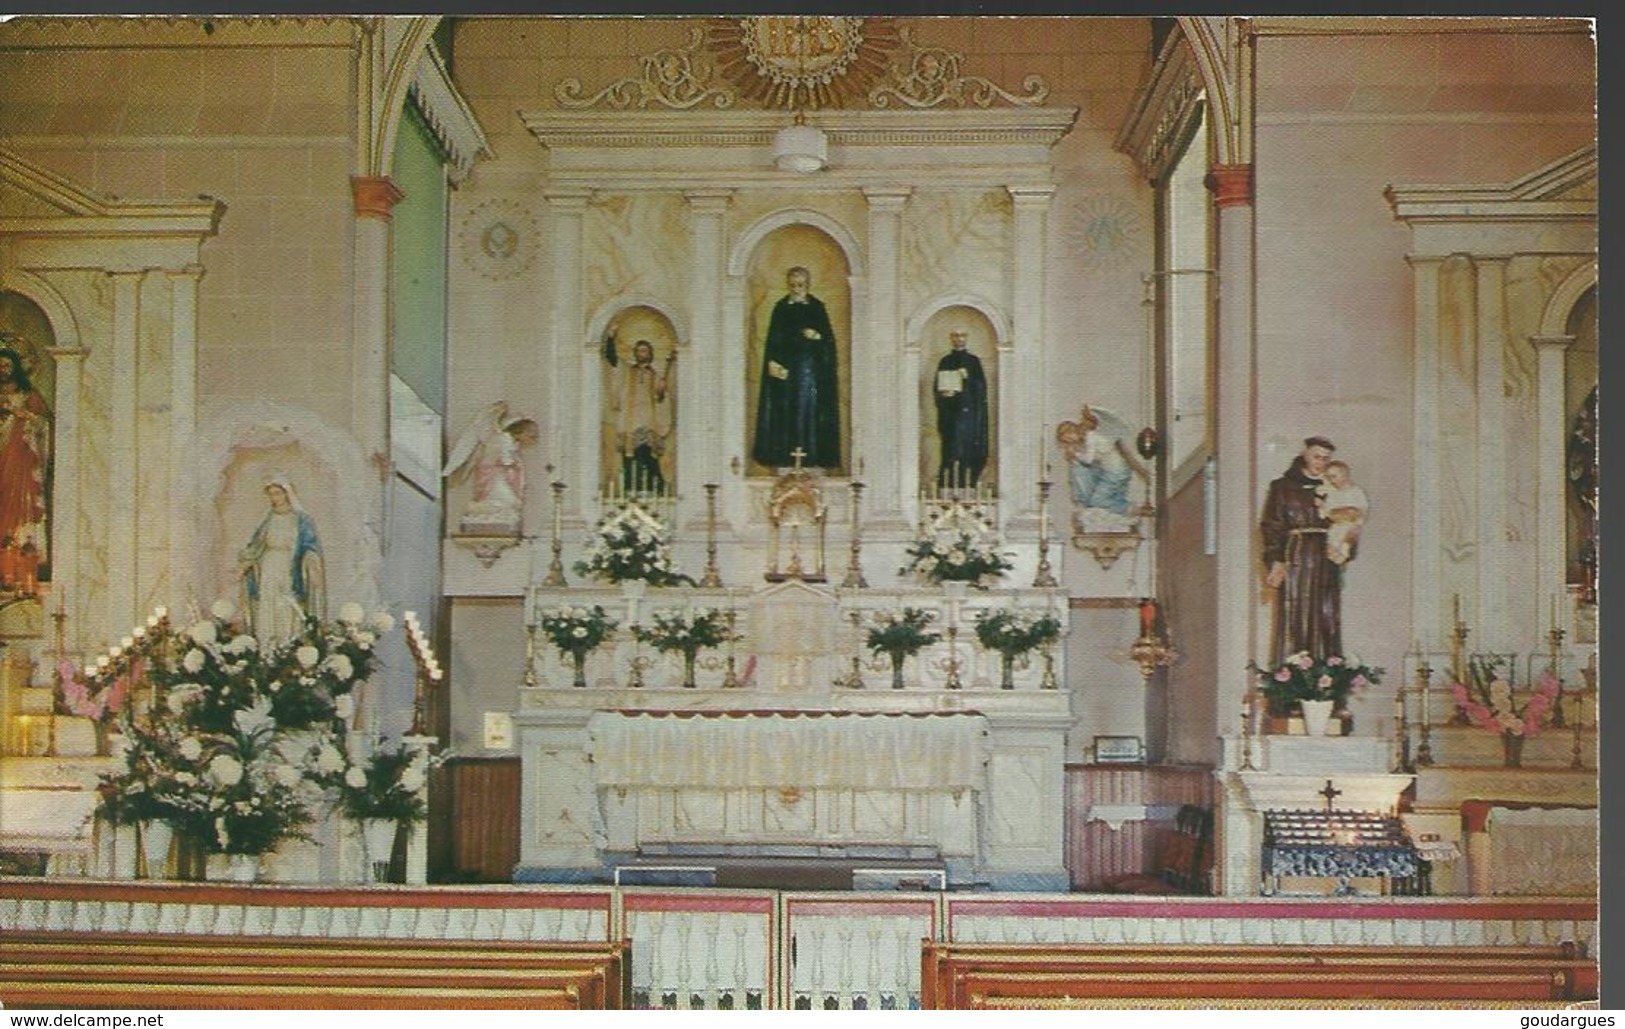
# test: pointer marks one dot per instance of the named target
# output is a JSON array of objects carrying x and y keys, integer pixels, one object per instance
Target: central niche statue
[{"x": 799, "y": 405}]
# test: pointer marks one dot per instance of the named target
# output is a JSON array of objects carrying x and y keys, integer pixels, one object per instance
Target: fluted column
[
  {"x": 889, "y": 471},
  {"x": 1426, "y": 554},
  {"x": 571, "y": 417},
  {"x": 1241, "y": 621},
  {"x": 70, "y": 368},
  {"x": 1493, "y": 566},
  {"x": 119, "y": 606},
  {"x": 1026, "y": 401},
  {"x": 1551, "y": 460},
  {"x": 703, "y": 457},
  {"x": 183, "y": 285}
]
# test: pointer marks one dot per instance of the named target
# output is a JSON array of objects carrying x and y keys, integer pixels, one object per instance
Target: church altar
[{"x": 796, "y": 760}]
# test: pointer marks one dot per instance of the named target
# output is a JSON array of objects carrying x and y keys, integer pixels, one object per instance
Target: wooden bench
[
  {"x": 469, "y": 973},
  {"x": 956, "y": 976}
]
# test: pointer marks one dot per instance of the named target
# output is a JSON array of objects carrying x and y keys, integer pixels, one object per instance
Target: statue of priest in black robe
[
  {"x": 961, "y": 392},
  {"x": 799, "y": 403}
]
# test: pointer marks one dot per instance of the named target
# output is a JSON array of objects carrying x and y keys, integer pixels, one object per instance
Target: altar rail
[
  {"x": 732, "y": 948},
  {"x": 962, "y": 976}
]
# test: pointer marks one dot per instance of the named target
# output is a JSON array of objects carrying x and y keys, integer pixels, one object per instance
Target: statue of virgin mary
[{"x": 282, "y": 574}]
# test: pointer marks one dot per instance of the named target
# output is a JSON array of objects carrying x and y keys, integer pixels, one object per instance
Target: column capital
[
  {"x": 1230, "y": 184},
  {"x": 190, "y": 271},
  {"x": 1031, "y": 196},
  {"x": 572, "y": 201},
  {"x": 889, "y": 199},
  {"x": 1557, "y": 343},
  {"x": 709, "y": 201},
  {"x": 374, "y": 196}
]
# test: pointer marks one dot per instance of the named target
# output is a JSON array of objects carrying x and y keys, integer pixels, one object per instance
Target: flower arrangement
[
  {"x": 1013, "y": 633},
  {"x": 675, "y": 632},
  {"x": 630, "y": 544},
  {"x": 1302, "y": 677},
  {"x": 961, "y": 557},
  {"x": 577, "y": 630},
  {"x": 1487, "y": 699},
  {"x": 78, "y": 700},
  {"x": 387, "y": 785},
  {"x": 238, "y": 752},
  {"x": 907, "y": 632},
  {"x": 900, "y": 635}
]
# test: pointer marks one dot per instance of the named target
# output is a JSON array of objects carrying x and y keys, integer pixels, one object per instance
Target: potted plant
[
  {"x": 675, "y": 632},
  {"x": 958, "y": 557},
  {"x": 1488, "y": 701},
  {"x": 1014, "y": 633},
  {"x": 901, "y": 635},
  {"x": 1317, "y": 687},
  {"x": 380, "y": 794},
  {"x": 578, "y": 631}
]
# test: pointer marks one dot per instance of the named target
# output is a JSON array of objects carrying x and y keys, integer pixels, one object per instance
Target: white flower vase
[
  {"x": 243, "y": 868},
  {"x": 156, "y": 837},
  {"x": 1316, "y": 715},
  {"x": 377, "y": 847}
]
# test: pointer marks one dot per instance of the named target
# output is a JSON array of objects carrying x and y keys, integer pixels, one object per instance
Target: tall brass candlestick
[
  {"x": 1045, "y": 575},
  {"x": 555, "y": 570},
  {"x": 1247, "y": 731},
  {"x": 1401, "y": 730},
  {"x": 854, "y": 568},
  {"x": 712, "y": 576},
  {"x": 530, "y": 654},
  {"x": 953, "y": 682},
  {"x": 730, "y": 678},
  {"x": 1424, "y": 751},
  {"x": 1554, "y": 647},
  {"x": 60, "y": 617}
]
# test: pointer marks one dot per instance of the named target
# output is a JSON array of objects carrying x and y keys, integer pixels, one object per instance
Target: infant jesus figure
[{"x": 1344, "y": 504}]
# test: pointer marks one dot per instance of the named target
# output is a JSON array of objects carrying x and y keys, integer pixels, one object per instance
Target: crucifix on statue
[{"x": 798, "y": 454}]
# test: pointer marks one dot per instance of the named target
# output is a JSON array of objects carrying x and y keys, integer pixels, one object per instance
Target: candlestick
[
  {"x": 1247, "y": 702},
  {"x": 854, "y": 567},
  {"x": 1424, "y": 751},
  {"x": 1044, "y": 577},
  {"x": 712, "y": 576},
  {"x": 952, "y": 682},
  {"x": 555, "y": 568}
]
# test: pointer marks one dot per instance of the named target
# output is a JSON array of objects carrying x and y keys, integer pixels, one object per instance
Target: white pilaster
[
  {"x": 1026, "y": 402},
  {"x": 70, "y": 367},
  {"x": 704, "y": 458},
  {"x": 887, "y": 398},
  {"x": 119, "y": 608},
  {"x": 373, "y": 198},
  {"x": 571, "y": 421},
  {"x": 1551, "y": 486},
  {"x": 1426, "y": 614},
  {"x": 1493, "y": 617},
  {"x": 183, "y": 285}
]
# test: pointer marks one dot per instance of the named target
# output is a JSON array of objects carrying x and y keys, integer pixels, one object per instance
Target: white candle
[
  {"x": 126, "y": 643},
  {"x": 90, "y": 671},
  {"x": 101, "y": 662}
]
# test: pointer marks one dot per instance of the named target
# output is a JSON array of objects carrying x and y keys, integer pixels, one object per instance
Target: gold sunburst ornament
[{"x": 803, "y": 62}]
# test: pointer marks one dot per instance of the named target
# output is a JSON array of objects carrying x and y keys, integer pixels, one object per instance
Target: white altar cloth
[
  {"x": 1542, "y": 851},
  {"x": 776, "y": 749}
]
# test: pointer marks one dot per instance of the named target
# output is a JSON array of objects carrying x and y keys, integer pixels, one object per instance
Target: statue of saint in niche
[
  {"x": 799, "y": 408},
  {"x": 640, "y": 412},
  {"x": 961, "y": 394}
]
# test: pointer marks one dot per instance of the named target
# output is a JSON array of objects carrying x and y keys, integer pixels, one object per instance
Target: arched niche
[
  {"x": 27, "y": 443},
  {"x": 638, "y": 431},
  {"x": 809, "y": 244},
  {"x": 933, "y": 334}
]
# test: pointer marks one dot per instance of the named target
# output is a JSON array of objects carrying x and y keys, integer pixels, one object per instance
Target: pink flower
[
  {"x": 1283, "y": 675},
  {"x": 1334, "y": 660},
  {"x": 1324, "y": 682},
  {"x": 1360, "y": 682},
  {"x": 1305, "y": 661}
]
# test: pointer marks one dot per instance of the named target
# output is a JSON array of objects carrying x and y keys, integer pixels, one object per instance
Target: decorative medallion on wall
[
  {"x": 678, "y": 79},
  {"x": 931, "y": 77},
  {"x": 800, "y": 62},
  {"x": 1104, "y": 230},
  {"x": 499, "y": 239}
]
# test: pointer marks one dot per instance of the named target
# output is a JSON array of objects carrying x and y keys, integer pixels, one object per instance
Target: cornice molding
[
  {"x": 1538, "y": 196},
  {"x": 85, "y": 214},
  {"x": 1164, "y": 108},
  {"x": 153, "y": 31},
  {"x": 448, "y": 115}
]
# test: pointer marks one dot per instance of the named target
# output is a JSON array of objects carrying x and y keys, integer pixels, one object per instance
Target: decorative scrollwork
[
  {"x": 932, "y": 78},
  {"x": 676, "y": 79}
]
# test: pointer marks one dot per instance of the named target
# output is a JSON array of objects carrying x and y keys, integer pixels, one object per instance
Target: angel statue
[
  {"x": 490, "y": 445},
  {"x": 1100, "y": 467}
]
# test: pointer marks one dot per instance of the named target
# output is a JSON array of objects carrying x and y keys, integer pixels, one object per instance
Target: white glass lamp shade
[{"x": 800, "y": 148}]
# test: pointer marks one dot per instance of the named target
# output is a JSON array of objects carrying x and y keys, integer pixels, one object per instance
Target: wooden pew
[
  {"x": 81, "y": 993},
  {"x": 588, "y": 975},
  {"x": 959, "y": 975}
]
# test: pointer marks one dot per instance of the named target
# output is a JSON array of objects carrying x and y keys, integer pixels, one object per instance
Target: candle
[
  {"x": 1148, "y": 616},
  {"x": 90, "y": 671},
  {"x": 1554, "y": 610},
  {"x": 25, "y": 744},
  {"x": 1455, "y": 608},
  {"x": 101, "y": 662},
  {"x": 163, "y": 612},
  {"x": 126, "y": 643}
]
